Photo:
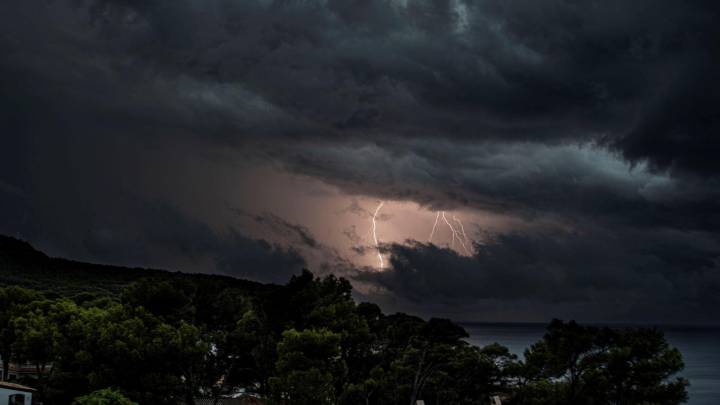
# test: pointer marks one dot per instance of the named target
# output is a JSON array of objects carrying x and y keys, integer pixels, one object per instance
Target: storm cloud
[
  {"x": 122, "y": 120},
  {"x": 605, "y": 271}
]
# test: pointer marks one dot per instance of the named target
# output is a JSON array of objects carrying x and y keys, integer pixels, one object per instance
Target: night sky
[{"x": 575, "y": 143}]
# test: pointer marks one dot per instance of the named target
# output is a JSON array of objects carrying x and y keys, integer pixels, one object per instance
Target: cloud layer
[{"x": 598, "y": 116}]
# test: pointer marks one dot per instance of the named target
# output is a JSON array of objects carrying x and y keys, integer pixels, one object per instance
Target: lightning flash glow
[
  {"x": 437, "y": 217},
  {"x": 452, "y": 244},
  {"x": 457, "y": 231},
  {"x": 464, "y": 235},
  {"x": 374, "y": 232}
]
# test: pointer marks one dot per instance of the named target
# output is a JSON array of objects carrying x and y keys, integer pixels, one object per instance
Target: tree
[
  {"x": 471, "y": 373},
  {"x": 124, "y": 347},
  {"x": 575, "y": 364},
  {"x": 243, "y": 356},
  {"x": 638, "y": 368},
  {"x": 567, "y": 350},
  {"x": 365, "y": 391},
  {"x": 12, "y": 303},
  {"x": 106, "y": 396},
  {"x": 295, "y": 343},
  {"x": 427, "y": 353},
  {"x": 38, "y": 337},
  {"x": 169, "y": 301},
  {"x": 185, "y": 350},
  {"x": 81, "y": 366},
  {"x": 307, "y": 367}
]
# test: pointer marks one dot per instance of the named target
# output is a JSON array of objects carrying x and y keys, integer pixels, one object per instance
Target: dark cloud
[
  {"x": 159, "y": 234},
  {"x": 257, "y": 259},
  {"x": 299, "y": 233},
  {"x": 486, "y": 70},
  {"x": 527, "y": 179},
  {"x": 611, "y": 274},
  {"x": 153, "y": 234},
  {"x": 596, "y": 115}
]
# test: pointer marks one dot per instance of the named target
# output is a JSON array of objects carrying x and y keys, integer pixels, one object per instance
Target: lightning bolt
[
  {"x": 437, "y": 217},
  {"x": 374, "y": 231},
  {"x": 452, "y": 244},
  {"x": 455, "y": 234},
  {"x": 462, "y": 230},
  {"x": 458, "y": 233}
]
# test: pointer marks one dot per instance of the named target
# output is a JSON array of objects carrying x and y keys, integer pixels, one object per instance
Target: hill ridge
[{"x": 23, "y": 265}]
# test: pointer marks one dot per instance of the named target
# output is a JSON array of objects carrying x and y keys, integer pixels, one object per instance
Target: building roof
[{"x": 16, "y": 387}]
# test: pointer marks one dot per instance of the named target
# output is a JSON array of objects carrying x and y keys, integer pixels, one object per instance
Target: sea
[{"x": 700, "y": 347}]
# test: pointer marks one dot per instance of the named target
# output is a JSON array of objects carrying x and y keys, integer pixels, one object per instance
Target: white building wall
[{"x": 5, "y": 394}]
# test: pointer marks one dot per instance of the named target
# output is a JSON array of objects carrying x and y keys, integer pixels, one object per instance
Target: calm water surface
[{"x": 700, "y": 348}]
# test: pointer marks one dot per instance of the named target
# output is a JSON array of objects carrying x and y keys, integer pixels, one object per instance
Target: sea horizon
[{"x": 697, "y": 344}]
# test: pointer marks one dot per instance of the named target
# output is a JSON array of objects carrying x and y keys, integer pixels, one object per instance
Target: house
[
  {"x": 20, "y": 371},
  {"x": 17, "y": 371},
  {"x": 15, "y": 394}
]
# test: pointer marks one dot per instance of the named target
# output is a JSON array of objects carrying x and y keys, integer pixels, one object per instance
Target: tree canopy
[{"x": 173, "y": 340}]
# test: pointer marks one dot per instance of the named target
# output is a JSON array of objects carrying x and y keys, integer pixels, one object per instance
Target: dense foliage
[
  {"x": 171, "y": 338},
  {"x": 170, "y": 341},
  {"x": 106, "y": 396}
]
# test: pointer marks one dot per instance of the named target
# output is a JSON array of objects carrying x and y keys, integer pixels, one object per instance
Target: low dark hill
[{"x": 22, "y": 265}]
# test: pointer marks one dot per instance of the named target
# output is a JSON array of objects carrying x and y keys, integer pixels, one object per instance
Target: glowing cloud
[
  {"x": 455, "y": 234},
  {"x": 462, "y": 231},
  {"x": 374, "y": 232},
  {"x": 437, "y": 217}
]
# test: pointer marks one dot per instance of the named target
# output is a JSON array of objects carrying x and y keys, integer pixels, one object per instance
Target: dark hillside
[
  {"x": 21, "y": 264},
  {"x": 158, "y": 337}
]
